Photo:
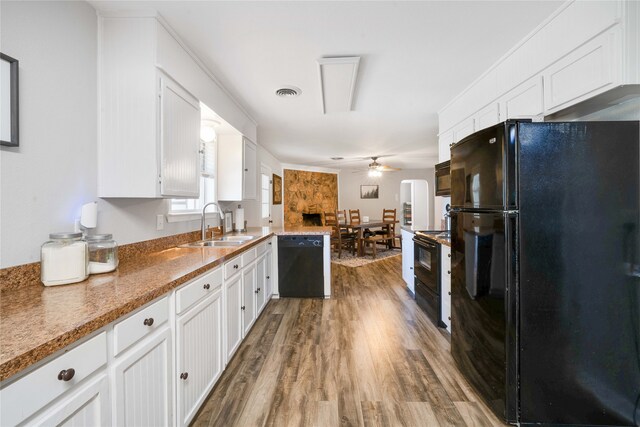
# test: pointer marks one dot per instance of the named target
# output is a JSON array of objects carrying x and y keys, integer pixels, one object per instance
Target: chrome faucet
[{"x": 202, "y": 223}]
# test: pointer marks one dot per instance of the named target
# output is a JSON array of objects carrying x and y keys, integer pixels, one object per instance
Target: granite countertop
[
  {"x": 435, "y": 235},
  {"x": 36, "y": 321},
  {"x": 443, "y": 240}
]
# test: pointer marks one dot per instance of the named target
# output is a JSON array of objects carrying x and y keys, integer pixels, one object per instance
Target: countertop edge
[{"x": 20, "y": 362}]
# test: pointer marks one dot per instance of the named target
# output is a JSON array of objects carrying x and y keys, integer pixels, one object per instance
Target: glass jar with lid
[
  {"x": 103, "y": 253},
  {"x": 64, "y": 259}
]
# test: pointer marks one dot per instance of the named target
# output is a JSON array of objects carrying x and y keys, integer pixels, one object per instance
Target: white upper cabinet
[
  {"x": 464, "y": 128},
  {"x": 249, "y": 162},
  {"x": 179, "y": 141},
  {"x": 583, "y": 73},
  {"x": 236, "y": 168},
  {"x": 584, "y": 49},
  {"x": 444, "y": 146},
  {"x": 524, "y": 101},
  {"x": 488, "y": 116},
  {"x": 149, "y": 124}
]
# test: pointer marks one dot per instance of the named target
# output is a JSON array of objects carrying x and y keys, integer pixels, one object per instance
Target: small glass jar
[
  {"x": 64, "y": 259},
  {"x": 103, "y": 253}
]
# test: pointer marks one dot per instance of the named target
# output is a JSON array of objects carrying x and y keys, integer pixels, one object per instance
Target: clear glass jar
[
  {"x": 64, "y": 259},
  {"x": 103, "y": 253}
]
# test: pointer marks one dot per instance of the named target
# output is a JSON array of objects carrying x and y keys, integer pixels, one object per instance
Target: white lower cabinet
[
  {"x": 61, "y": 376},
  {"x": 142, "y": 383},
  {"x": 88, "y": 406},
  {"x": 407, "y": 259},
  {"x": 445, "y": 285},
  {"x": 125, "y": 375},
  {"x": 233, "y": 315},
  {"x": 268, "y": 285},
  {"x": 248, "y": 298},
  {"x": 261, "y": 284},
  {"x": 199, "y": 354}
]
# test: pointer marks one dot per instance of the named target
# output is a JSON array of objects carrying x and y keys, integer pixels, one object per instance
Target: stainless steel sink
[
  {"x": 234, "y": 238},
  {"x": 219, "y": 242},
  {"x": 211, "y": 243}
]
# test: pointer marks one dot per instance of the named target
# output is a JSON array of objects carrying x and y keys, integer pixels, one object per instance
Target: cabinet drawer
[
  {"x": 142, "y": 323},
  {"x": 261, "y": 248},
  {"x": 199, "y": 288},
  {"x": 24, "y": 397},
  {"x": 248, "y": 257},
  {"x": 232, "y": 267}
]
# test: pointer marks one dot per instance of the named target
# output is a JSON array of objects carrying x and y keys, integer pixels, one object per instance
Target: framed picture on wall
[
  {"x": 8, "y": 101},
  {"x": 368, "y": 191},
  {"x": 277, "y": 190}
]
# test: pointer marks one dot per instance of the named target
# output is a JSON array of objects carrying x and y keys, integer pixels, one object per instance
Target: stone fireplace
[{"x": 307, "y": 195}]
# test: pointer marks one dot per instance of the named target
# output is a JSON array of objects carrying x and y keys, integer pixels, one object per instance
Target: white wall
[
  {"x": 52, "y": 173},
  {"x": 389, "y": 191},
  {"x": 44, "y": 182}
]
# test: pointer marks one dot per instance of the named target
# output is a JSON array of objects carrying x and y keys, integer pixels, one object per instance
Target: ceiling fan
[
  {"x": 376, "y": 169},
  {"x": 374, "y": 165}
]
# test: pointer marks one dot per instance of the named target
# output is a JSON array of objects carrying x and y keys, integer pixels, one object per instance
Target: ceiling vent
[
  {"x": 288, "y": 91},
  {"x": 338, "y": 83}
]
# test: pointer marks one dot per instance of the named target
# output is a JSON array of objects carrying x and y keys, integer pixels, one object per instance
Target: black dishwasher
[{"x": 300, "y": 266}]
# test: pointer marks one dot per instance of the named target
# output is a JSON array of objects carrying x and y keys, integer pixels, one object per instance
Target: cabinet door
[
  {"x": 524, "y": 101},
  {"x": 233, "y": 315},
  {"x": 179, "y": 141},
  {"x": 445, "y": 283},
  {"x": 464, "y": 128},
  {"x": 583, "y": 73},
  {"x": 88, "y": 406},
  {"x": 444, "y": 143},
  {"x": 268, "y": 274},
  {"x": 142, "y": 383},
  {"x": 261, "y": 282},
  {"x": 248, "y": 298},
  {"x": 250, "y": 175},
  {"x": 487, "y": 117},
  {"x": 407, "y": 259},
  {"x": 199, "y": 354}
]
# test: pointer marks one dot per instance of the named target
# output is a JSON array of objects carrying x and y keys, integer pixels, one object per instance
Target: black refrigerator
[{"x": 545, "y": 278}]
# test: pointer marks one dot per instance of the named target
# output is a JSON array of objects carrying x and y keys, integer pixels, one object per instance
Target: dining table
[{"x": 359, "y": 228}]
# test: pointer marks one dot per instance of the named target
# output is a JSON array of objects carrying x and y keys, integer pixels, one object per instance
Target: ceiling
[{"x": 415, "y": 57}]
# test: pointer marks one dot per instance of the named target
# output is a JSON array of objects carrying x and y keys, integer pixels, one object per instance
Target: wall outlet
[{"x": 159, "y": 222}]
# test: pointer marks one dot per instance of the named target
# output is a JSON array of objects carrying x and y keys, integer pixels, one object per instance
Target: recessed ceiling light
[
  {"x": 337, "y": 158},
  {"x": 288, "y": 91}
]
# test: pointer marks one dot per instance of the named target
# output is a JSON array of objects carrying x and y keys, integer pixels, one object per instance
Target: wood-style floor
[{"x": 367, "y": 356}]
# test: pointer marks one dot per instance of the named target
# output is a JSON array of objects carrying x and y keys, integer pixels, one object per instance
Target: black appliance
[
  {"x": 300, "y": 266},
  {"x": 545, "y": 283},
  {"x": 443, "y": 179},
  {"x": 426, "y": 268}
]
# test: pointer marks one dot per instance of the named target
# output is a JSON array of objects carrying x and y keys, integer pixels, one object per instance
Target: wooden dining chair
[
  {"x": 354, "y": 216},
  {"x": 390, "y": 215},
  {"x": 342, "y": 216},
  {"x": 339, "y": 240}
]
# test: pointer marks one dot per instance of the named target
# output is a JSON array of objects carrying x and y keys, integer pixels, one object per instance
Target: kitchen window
[
  {"x": 190, "y": 209},
  {"x": 265, "y": 188}
]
